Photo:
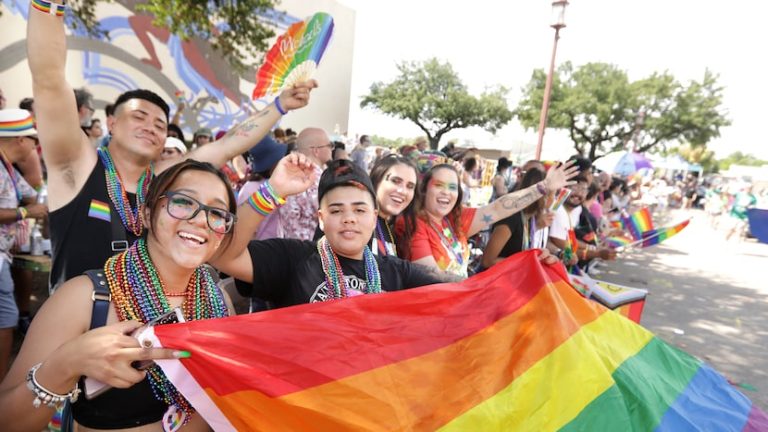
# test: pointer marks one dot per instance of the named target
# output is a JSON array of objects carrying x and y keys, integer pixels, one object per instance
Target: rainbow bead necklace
[
  {"x": 132, "y": 218},
  {"x": 389, "y": 243},
  {"x": 138, "y": 294},
  {"x": 334, "y": 276}
]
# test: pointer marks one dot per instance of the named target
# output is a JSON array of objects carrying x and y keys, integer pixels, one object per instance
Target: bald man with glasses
[{"x": 298, "y": 216}]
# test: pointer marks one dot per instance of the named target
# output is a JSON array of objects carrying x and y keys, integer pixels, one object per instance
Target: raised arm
[
  {"x": 247, "y": 134},
  {"x": 513, "y": 202},
  {"x": 68, "y": 155},
  {"x": 293, "y": 174}
]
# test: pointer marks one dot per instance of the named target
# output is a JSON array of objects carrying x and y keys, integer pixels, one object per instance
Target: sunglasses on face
[{"x": 184, "y": 207}]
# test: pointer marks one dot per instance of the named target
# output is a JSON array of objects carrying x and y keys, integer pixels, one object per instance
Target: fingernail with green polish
[{"x": 182, "y": 354}]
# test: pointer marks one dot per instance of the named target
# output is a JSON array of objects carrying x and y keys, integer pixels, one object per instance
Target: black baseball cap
[{"x": 343, "y": 172}]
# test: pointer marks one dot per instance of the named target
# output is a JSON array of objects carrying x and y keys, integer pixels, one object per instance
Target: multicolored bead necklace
[
  {"x": 388, "y": 243},
  {"x": 449, "y": 240},
  {"x": 139, "y": 294},
  {"x": 132, "y": 218},
  {"x": 334, "y": 276}
]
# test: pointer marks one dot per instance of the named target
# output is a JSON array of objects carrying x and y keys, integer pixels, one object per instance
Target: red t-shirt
[{"x": 437, "y": 241}]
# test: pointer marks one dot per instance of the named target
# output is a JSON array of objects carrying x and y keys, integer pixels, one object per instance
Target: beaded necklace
[
  {"x": 449, "y": 240},
  {"x": 138, "y": 294},
  {"x": 388, "y": 243},
  {"x": 334, "y": 276},
  {"x": 12, "y": 174},
  {"x": 132, "y": 218}
]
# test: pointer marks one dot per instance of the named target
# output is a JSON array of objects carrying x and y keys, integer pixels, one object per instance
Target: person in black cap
[{"x": 288, "y": 272}]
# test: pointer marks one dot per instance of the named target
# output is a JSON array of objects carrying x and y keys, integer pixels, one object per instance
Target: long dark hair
[
  {"x": 408, "y": 215},
  {"x": 531, "y": 177},
  {"x": 454, "y": 217},
  {"x": 163, "y": 182}
]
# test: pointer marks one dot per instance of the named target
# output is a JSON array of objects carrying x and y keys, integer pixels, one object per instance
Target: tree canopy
[
  {"x": 432, "y": 96},
  {"x": 234, "y": 28},
  {"x": 739, "y": 158},
  {"x": 603, "y": 111}
]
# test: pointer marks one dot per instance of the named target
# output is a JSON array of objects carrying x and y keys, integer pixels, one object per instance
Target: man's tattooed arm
[{"x": 440, "y": 275}]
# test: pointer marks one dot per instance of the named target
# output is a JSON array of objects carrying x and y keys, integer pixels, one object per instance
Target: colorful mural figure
[{"x": 211, "y": 90}]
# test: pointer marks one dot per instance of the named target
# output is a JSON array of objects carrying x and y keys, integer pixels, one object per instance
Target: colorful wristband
[
  {"x": 279, "y": 107},
  {"x": 21, "y": 213},
  {"x": 49, "y": 7},
  {"x": 264, "y": 201}
]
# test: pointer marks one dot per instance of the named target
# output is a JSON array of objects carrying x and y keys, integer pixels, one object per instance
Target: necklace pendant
[{"x": 173, "y": 419}]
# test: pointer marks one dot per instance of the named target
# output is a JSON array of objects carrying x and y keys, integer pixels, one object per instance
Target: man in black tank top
[{"x": 79, "y": 180}]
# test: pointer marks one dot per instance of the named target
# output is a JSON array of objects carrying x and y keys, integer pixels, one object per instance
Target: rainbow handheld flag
[
  {"x": 638, "y": 223},
  {"x": 513, "y": 348},
  {"x": 617, "y": 242},
  {"x": 656, "y": 236}
]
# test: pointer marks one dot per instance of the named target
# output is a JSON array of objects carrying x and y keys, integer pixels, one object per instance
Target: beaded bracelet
[
  {"x": 265, "y": 200},
  {"x": 21, "y": 213},
  {"x": 279, "y": 107},
  {"x": 45, "y": 396},
  {"x": 49, "y": 7}
]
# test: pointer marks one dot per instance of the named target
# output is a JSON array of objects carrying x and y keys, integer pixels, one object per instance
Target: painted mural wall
[{"x": 139, "y": 55}]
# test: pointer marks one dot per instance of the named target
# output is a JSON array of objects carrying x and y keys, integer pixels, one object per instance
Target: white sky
[{"x": 501, "y": 42}]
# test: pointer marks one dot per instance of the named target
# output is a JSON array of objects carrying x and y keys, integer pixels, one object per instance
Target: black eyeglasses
[{"x": 183, "y": 207}]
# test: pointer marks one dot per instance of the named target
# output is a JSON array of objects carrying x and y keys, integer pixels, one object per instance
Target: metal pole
[{"x": 547, "y": 91}]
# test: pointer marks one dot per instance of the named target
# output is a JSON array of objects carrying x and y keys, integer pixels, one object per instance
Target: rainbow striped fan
[{"x": 295, "y": 55}]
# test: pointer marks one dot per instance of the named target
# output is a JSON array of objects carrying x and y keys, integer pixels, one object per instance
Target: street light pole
[{"x": 558, "y": 9}]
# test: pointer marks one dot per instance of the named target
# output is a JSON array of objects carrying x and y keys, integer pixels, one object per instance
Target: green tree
[
  {"x": 739, "y": 158},
  {"x": 697, "y": 155},
  {"x": 234, "y": 28},
  {"x": 431, "y": 95},
  {"x": 604, "y": 111}
]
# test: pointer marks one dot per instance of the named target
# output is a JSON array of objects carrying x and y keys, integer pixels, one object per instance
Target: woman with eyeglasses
[
  {"x": 443, "y": 224},
  {"x": 189, "y": 216}
]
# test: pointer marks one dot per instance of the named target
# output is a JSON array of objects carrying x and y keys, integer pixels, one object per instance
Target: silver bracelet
[{"x": 45, "y": 396}]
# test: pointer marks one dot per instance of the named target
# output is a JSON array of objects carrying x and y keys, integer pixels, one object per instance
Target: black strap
[
  {"x": 101, "y": 298},
  {"x": 119, "y": 238}
]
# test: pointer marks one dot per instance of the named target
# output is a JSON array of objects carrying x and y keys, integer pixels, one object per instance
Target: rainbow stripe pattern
[
  {"x": 638, "y": 223},
  {"x": 48, "y": 7},
  {"x": 99, "y": 210},
  {"x": 300, "y": 47},
  {"x": 656, "y": 236},
  {"x": 617, "y": 242},
  {"x": 17, "y": 125},
  {"x": 512, "y": 348}
]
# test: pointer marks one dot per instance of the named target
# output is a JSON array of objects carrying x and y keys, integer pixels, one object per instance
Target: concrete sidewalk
[{"x": 707, "y": 296}]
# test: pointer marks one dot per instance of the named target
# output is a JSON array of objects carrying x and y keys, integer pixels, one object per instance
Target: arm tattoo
[
  {"x": 517, "y": 201},
  {"x": 244, "y": 129},
  {"x": 441, "y": 275}
]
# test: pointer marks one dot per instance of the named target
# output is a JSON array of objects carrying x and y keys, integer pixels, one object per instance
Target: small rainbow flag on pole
[
  {"x": 514, "y": 348},
  {"x": 656, "y": 236},
  {"x": 638, "y": 223},
  {"x": 617, "y": 242}
]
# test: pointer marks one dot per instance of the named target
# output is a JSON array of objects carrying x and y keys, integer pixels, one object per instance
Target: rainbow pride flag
[
  {"x": 638, "y": 222},
  {"x": 617, "y": 242},
  {"x": 514, "y": 348},
  {"x": 656, "y": 236}
]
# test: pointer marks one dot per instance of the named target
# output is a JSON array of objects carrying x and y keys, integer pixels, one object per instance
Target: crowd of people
[{"x": 142, "y": 221}]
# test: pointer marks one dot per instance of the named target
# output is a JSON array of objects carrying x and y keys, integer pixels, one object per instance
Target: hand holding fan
[{"x": 295, "y": 55}]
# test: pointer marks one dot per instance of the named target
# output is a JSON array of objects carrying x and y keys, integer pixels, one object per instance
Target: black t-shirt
[
  {"x": 81, "y": 231},
  {"x": 288, "y": 272},
  {"x": 515, "y": 242}
]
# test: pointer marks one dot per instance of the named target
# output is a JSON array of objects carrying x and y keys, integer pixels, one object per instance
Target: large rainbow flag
[{"x": 514, "y": 348}]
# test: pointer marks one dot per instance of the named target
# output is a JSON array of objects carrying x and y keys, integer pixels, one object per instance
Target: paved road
[{"x": 708, "y": 297}]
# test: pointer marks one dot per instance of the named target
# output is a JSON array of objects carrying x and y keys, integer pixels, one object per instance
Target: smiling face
[
  {"x": 140, "y": 127},
  {"x": 348, "y": 218},
  {"x": 442, "y": 193},
  {"x": 396, "y": 190},
  {"x": 187, "y": 243},
  {"x": 578, "y": 194}
]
